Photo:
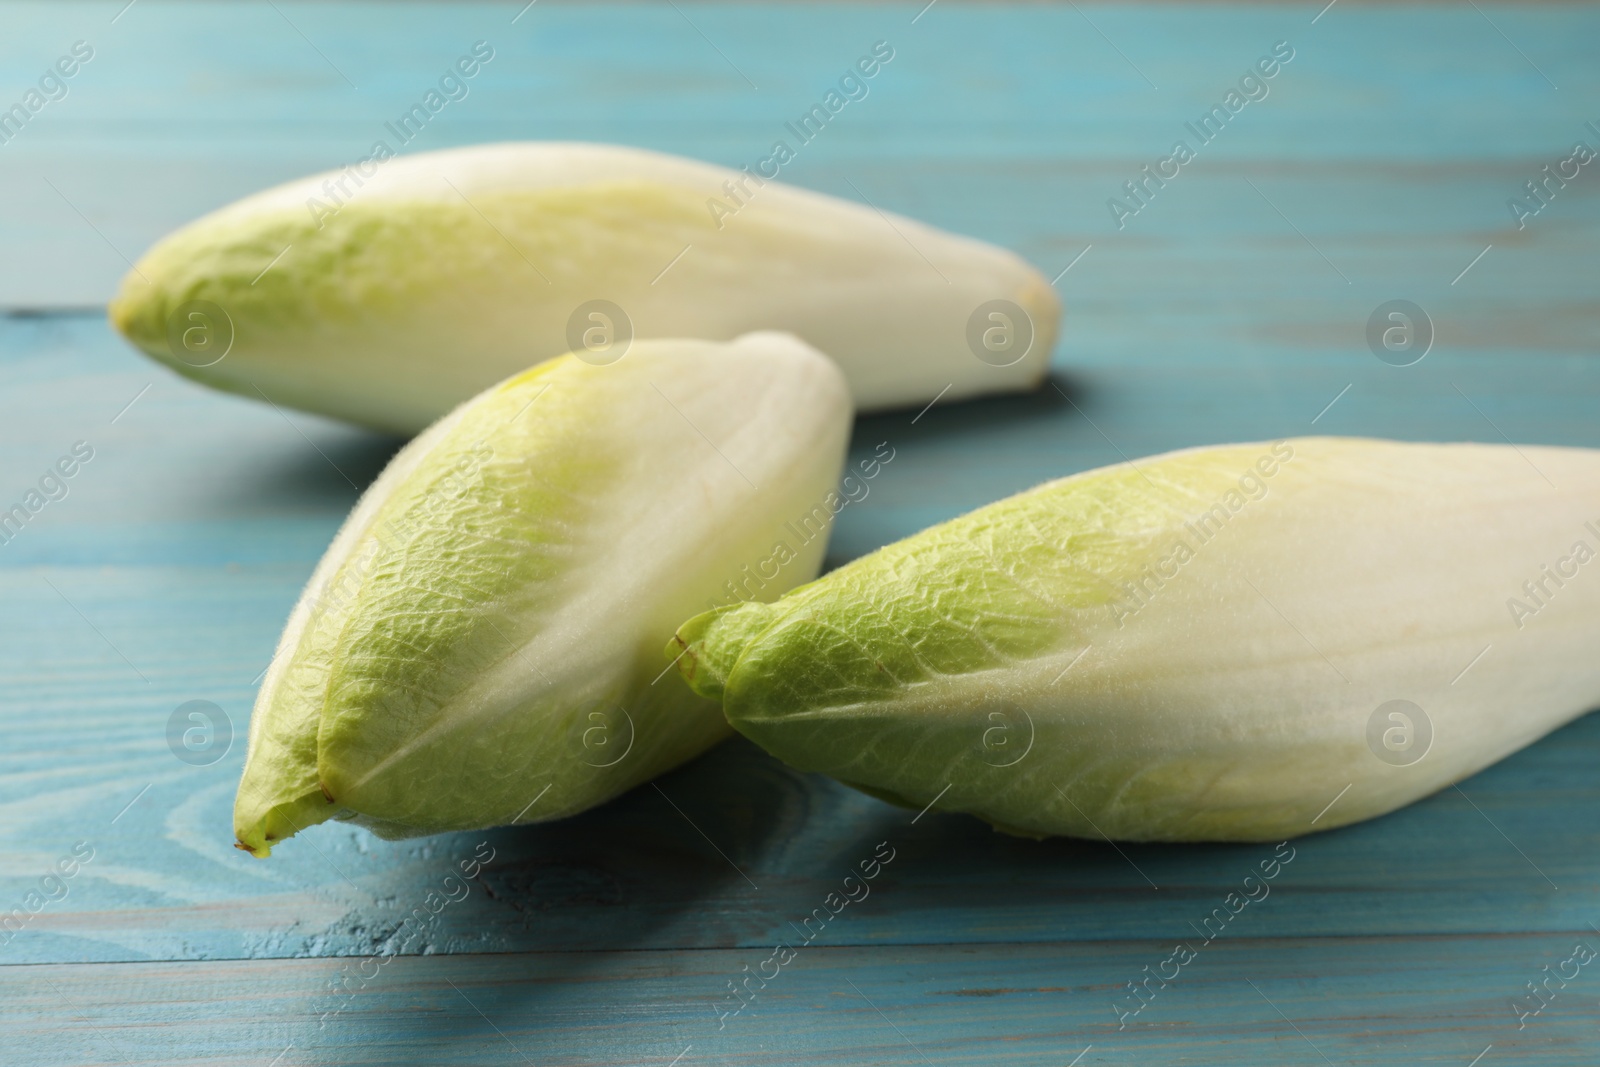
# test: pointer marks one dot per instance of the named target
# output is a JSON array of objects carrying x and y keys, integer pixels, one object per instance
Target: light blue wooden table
[{"x": 1233, "y": 305}]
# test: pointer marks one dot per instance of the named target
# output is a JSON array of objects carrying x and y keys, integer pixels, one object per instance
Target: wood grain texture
[
  {"x": 1234, "y": 306},
  {"x": 1434, "y": 1001}
]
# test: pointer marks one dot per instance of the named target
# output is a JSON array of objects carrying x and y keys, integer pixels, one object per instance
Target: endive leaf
[
  {"x": 1233, "y": 643},
  {"x": 479, "y": 646},
  {"x": 388, "y": 299}
]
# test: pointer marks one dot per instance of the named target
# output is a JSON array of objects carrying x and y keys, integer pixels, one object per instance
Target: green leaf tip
[
  {"x": 707, "y": 646},
  {"x": 267, "y": 826}
]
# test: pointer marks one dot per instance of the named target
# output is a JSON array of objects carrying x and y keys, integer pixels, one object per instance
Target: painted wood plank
[
  {"x": 1014, "y": 125},
  {"x": 1388, "y": 1001}
]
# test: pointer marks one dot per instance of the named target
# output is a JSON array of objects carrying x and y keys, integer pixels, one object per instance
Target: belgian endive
[
  {"x": 1232, "y": 643},
  {"x": 480, "y": 644},
  {"x": 389, "y": 291}
]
